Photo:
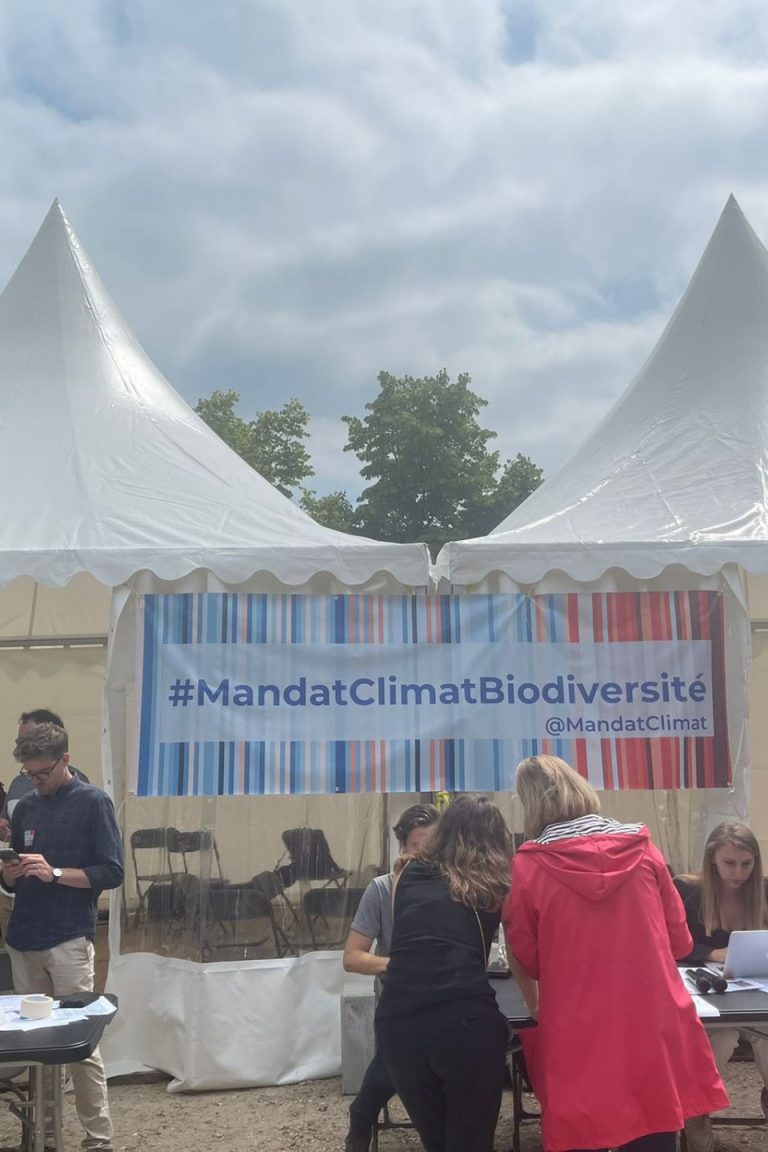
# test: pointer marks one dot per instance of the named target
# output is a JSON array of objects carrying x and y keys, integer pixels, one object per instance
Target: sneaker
[
  {"x": 698, "y": 1134},
  {"x": 357, "y": 1141}
]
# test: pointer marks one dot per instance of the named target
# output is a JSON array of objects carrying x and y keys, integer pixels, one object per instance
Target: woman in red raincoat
[{"x": 593, "y": 927}]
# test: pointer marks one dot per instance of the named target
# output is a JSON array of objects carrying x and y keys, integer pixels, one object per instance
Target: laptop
[{"x": 747, "y": 955}]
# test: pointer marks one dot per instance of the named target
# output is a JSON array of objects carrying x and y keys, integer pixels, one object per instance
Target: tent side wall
[
  {"x": 681, "y": 820},
  {"x": 234, "y": 1022}
]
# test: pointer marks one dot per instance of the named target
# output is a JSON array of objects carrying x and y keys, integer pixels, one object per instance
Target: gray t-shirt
[{"x": 374, "y": 914}]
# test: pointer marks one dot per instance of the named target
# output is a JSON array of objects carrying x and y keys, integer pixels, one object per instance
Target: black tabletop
[
  {"x": 748, "y": 1007},
  {"x": 511, "y": 1003},
  {"x": 62, "y": 1044}
]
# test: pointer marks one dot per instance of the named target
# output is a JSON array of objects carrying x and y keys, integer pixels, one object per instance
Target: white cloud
[{"x": 286, "y": 197}]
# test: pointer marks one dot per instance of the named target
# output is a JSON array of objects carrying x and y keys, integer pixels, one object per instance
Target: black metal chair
[
  {"x": 156, "y": 871},
  {"x": 385, "y": 1123},
  {"x": 310, "y": 862},
  {"x": 202, "y": 842},
  {"x": 310, "y": 859},
  {"x": 518, "y": 1075},
  {"x": 324, "y": 903},
  {"x": 234, "y": 903}
]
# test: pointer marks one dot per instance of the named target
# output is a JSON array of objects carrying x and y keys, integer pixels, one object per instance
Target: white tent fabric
[
  {"x": 669, "y": 493},
  {"x": 677, "y": 472},
  {"x": 110, "y": 477},
  {"x": 119, "y": 474}
]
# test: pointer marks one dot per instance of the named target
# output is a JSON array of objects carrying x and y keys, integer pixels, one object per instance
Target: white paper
[
  {"x": 704, "y": 1007},
  {"x": 59, "y": 1017},
  {"x": 15, "y": 1023},
  {"x": 100, "y": 1007}
]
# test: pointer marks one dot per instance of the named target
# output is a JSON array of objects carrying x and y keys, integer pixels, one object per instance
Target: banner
[{"x": 260, "y": 694}]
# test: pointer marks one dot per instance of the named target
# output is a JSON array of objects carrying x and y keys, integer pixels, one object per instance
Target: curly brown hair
[
  {"x": 472, "y": 848},
  {"x": 40, "y": 742}
]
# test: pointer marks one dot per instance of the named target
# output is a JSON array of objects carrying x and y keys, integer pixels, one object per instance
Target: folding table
[{"x": 52, "y": 1047}]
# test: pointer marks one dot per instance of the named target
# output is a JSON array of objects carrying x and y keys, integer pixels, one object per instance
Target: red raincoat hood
[{"x": 592, "y": 866}]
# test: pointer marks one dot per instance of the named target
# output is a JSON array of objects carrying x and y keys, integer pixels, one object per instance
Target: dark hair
[
  {"x": 417, "y": 816},
  {"x": 41, "y": 716},
  {"x": 471, "y": 846},
  {"x": 41, "y": 741}
]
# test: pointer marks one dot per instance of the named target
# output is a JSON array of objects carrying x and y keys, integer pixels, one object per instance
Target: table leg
[
  {"x": 38, "y": 1108},
  {"x": 58, "y": 1073}
]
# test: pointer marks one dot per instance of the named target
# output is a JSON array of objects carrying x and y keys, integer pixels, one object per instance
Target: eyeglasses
[{"x": 43, "y": 773}]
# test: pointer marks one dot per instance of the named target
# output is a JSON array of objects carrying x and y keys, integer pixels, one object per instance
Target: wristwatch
[{"x": 57, "y": 874}]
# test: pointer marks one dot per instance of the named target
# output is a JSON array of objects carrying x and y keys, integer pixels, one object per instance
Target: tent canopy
[
  {"x": 677, "y": 472},
  {"x": 112, "y": 473}
]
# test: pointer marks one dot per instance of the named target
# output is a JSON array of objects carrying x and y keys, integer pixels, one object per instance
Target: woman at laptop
[
  {"x": 593, "y": 927},
  {"x": 727, "y": 895}
]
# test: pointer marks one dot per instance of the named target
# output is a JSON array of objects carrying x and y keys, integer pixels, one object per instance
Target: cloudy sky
[{"x": 286, "y": 196}]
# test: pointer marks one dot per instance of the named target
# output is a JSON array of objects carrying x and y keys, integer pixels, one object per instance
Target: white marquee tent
[
  {"x": 114, "y": 487},
  {"x": 669, "y": 491}
]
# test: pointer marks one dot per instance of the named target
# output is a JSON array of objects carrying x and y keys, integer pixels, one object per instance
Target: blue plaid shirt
[{"x": 73, "y": 828}]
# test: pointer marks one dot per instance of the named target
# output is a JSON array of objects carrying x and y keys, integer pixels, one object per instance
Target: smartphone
[{"x": 9, "y": 855}]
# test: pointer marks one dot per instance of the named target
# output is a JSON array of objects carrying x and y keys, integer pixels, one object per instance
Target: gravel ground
[{"x": 311, "y": 1117}]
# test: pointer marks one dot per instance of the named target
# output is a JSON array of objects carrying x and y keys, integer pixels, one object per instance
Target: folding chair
[
  {"x": 310, "y": 859},
  {"x": 238, "y": 902},
  {"x": 186, "y": 844},
  {"x": 385, "y": 1123},
  {"x": 310, "y": 862},
  {"x": 158, "y": 869},
  {"x": 322, "y": 903},
  {"x": 518, "y": 1075},
  {"x": 196, "y": 888}
]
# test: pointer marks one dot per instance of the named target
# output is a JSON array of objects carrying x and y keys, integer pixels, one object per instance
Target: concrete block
[{"x": 358, "y": 1005}]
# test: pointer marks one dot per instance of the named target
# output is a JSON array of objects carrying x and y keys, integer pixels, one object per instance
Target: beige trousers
[
  {"x": 6, "y": 907},
  {"x": 61, "y": 971}
]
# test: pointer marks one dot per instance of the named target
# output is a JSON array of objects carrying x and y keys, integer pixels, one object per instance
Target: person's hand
[
  {"x": 33, "y": 864},
  {"x": 12, "y": 869},
  {"x": 717, "y": 956},
  {"x": 532, "y": 1004},
  {"x": 5, "y": 829}
]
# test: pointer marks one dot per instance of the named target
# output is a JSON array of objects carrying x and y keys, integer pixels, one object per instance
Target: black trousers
[
  {"x": 376, "y": 1090},
  {"x": 449, "y": 1074},
  {"x": 655, "y": 1142}
]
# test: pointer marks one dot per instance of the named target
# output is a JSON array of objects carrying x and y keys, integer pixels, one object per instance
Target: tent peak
[{"x": 675, "y": 472}]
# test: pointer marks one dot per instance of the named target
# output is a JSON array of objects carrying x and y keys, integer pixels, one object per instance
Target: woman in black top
[
  {"x": 727, "y": 895},
  {"x": 438, "y": 1026}
]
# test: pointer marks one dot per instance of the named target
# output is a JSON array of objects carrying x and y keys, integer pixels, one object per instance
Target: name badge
[{"x": 29, "y": 837}]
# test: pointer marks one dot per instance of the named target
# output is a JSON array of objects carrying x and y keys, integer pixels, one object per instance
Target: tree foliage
[
  {"x": 332, "y": 511},
  {"x": 434, "y": 476},
  {"x": 518, "y": 479},
  {"x": 272, "y": 443}
]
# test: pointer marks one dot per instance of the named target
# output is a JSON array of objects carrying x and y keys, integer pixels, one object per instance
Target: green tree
[
  {"x": 423, "y": 448},
  {"x": 332, "y": 511},
  {"x": 518, "y": 479},
  {"x": 272, "y": 443}
]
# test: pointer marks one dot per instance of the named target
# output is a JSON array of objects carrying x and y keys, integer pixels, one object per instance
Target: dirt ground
[{"x": 309, "y": 1116}]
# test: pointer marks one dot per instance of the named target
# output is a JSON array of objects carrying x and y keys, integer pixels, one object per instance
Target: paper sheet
[
  {"x": 704, "y": 1007},
  {"x": 100, "y": 1007}
]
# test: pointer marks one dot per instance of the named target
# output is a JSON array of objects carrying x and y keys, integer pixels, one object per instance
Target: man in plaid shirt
[{"x": 70, "y": 851}]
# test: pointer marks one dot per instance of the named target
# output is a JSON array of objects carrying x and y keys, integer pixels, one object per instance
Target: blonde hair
[
  {"x": 550, "y": 791},
  {"x": 753, "y": 889},
  {"x": 471, "y": 846}
]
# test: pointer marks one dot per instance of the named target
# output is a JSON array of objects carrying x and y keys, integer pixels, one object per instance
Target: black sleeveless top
[{"x": 438, "y": 958}]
